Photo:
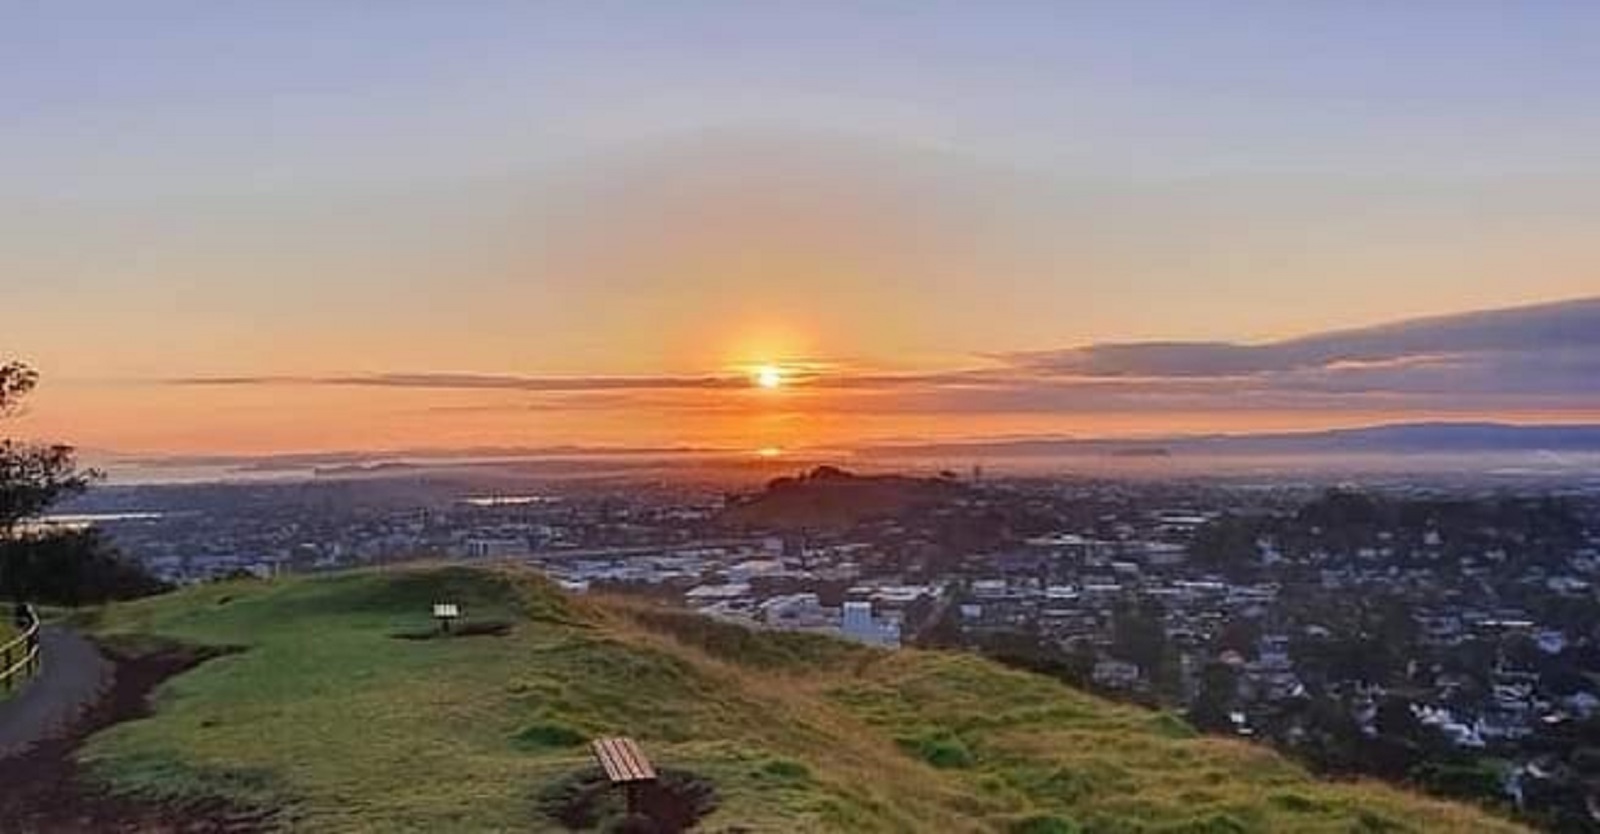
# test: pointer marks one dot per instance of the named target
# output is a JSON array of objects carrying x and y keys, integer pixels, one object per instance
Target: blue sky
[{"x": 105, "y": 98}]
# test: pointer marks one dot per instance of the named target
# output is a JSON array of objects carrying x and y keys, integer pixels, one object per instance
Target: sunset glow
[
  {"x": 769, "y": 377},
  {"x": 800, "y": 415},
  {"x": 564, "y": 226}
]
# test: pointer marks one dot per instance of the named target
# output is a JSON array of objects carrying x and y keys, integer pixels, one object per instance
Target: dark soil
[
  {"x": 493, "y": 628},
  {"x": 44, "y": 790},
  {"x": 673, "y": 803}
]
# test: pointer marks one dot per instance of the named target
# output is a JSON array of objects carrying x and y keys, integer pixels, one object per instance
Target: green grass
[
  {"x": 329, "y": 718},
  {"x": 8, "y": 632}
]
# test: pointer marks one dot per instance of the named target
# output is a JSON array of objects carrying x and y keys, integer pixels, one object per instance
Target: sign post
[{"x": 446, "y": 613}]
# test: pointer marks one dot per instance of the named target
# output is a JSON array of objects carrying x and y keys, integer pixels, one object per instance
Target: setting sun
[{"x": 769, "y": 376}]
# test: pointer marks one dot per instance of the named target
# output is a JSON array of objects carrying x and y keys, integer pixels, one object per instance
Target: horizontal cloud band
[{"x": 1540, "y": 357}]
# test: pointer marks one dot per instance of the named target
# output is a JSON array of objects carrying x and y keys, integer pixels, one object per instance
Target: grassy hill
[
  {"x": 328, "y": 716},
  {"x": 8, "y": 632},
  {"x": 829, "y": 498}
]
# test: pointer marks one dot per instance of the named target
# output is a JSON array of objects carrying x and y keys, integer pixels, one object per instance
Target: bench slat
[
  {"x": 638, "y": 765},
  {"x": 622, "y": 760}
]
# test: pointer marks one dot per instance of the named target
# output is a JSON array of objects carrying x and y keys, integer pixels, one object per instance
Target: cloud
[
  {"x": 467, "y": 381},
  {"x": 1561, "y": 326},
  {"x": 1537, "y": 358},
  {"x": 801, "y": 374}
]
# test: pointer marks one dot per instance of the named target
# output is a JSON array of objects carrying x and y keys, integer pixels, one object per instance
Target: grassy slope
[
  {"x": 7, "y": 632},
  {"x": 354, "y": 731}
]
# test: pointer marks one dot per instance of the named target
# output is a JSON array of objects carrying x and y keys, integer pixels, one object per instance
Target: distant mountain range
[{"x": 1400, "y": 438}]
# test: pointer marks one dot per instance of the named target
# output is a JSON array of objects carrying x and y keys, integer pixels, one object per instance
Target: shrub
[
  {"x": 549, "y": 734},
  {"x": 77, "y": 567},
  {"x": 942, "y": 750},
  {"x": 787, "y": 770},
  {"x": 1043, "y": 824}
]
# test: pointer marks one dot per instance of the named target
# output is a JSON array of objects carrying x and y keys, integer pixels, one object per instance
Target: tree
[
  {"x": 1219, "y": 687},
  {"x": 68, "y": 567},
  {"x": 1228, "y": 544},
  {"x": 73, "y": 567},
  {"x": 1402, "y": 739},
  {"x": 32, "y": 477},
  {"x": 1138, "y": 633}
]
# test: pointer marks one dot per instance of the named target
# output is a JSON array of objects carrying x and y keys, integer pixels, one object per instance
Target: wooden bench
[{"x": 625, "y": 766}]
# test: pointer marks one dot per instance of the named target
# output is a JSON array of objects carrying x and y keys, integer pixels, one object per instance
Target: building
[
  {"x": 495, "y": 548},
  {"x": 858, "y": 623}
]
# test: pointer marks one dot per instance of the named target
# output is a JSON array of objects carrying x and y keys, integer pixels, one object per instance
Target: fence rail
[{"x": 19, "y": 658}]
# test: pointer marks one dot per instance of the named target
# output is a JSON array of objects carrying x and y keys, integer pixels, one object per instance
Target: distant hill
[
  {"x": 1412, "y": 438},
  {"x": 331, "y": 724},
  {"x": 831, "y": 498}
]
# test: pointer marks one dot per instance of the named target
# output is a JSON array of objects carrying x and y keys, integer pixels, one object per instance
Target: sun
[{"x": 769, "y": 376}]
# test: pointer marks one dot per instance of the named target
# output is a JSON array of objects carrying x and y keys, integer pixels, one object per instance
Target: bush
[
  {"x": 1475, "y": 780},
  {"x": 549, "y": 734},
  {"x": 1298, "y": 803},
  {"x": 1043, "y": 824},
  {"x": 942, "y": 750},
  {"x": 787, "y": 769},
  {"x": 72, "y": 568},
  {"x": 1214, "y": 824}
]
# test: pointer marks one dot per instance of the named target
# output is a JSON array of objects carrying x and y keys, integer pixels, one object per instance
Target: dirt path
[
  {"x": 73, "y": 677},
  {"x": 42, "y": 788}
]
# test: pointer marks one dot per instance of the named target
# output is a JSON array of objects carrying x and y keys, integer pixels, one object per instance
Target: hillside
[
  {"x": 329, "y": 719},
  {"x": 830, "y": 498},
  {"x": 8, "y": 632}
]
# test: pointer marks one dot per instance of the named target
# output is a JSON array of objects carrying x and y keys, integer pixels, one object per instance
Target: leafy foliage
[
  {"x": 32, "y": 477},
  {"x": 73, "y": 567},
  {"x": 16, "y": 380},
  {"x": 68, "y": 568}
]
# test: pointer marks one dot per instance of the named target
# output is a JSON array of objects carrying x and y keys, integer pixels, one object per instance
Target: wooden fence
[{"x": 19, "y": 659}]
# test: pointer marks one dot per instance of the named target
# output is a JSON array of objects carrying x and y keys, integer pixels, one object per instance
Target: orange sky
[
  {"x": 293, "y": 416},
  {"x": 825, "y": 257},
  {"x": 558, "y": 225}
]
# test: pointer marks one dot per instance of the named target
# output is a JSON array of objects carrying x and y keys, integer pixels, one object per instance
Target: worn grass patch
[{"x": 325, "y": 716}]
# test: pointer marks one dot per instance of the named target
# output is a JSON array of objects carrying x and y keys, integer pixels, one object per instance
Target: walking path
[{"x": 72, "y": 678}]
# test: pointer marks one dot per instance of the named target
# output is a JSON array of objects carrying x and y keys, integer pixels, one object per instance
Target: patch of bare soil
[
  {"x": 584, "y": 801},
  {"x": 490, "y": 628},
  {"x": 43, "y": 790}
]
